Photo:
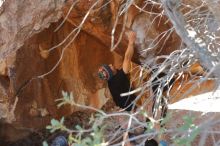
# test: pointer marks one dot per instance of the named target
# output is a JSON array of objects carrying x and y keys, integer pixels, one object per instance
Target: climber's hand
[{"x": 131, "y": 37}]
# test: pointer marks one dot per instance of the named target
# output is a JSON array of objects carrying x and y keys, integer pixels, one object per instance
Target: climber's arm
[{"x": 129, "y": 52}]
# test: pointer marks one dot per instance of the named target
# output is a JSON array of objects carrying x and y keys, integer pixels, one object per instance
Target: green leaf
[
  {"x": 45, "y": 143},
  {"x": 62, "y": 120},
  {"x": 52, "y": 130},
  {"x": 49, "y": 127},
  {"x": 54, "y": 122},
  {"x": 64, "y": 93},
  {"x": 193, "y": 134},
  {"x": 182, "y": 141},
  {"x": 87, "y": 140},
  {"x": 184, "y": 127},
  {"x": 188, "y": 124},
  {"x": 167, "y": 118},
  {"x": 98, "y": 115},
  {"x": 78, "y": 127},
  {"x": 71, "y": 139},
  {"x": 188, "y": 119},
  {"x": 150, "y": 126}
]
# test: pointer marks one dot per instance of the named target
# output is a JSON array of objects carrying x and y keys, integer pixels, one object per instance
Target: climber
[{"x": 118, "y": 81}]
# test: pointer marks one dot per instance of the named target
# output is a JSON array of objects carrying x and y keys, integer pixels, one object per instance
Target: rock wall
[
  {"x": 19, "y": 20},
  {"x": 100, "y": 24},
  {"x": 76, "y": 73}
]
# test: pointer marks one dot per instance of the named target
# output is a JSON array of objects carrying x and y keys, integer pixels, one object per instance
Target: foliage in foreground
[{"x": 95, "y": 135}]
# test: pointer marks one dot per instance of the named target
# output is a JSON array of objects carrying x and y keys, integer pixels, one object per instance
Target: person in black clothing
[{"x": 118, "y": 81}]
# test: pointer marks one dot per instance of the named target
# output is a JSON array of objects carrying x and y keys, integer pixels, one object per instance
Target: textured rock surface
[
  {"x": 19, "y": 20},
  {"x": 76, "y": 73}
]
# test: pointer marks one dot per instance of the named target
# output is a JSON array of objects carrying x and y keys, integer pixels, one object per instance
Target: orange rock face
[{"x": 76, "y": 73}]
